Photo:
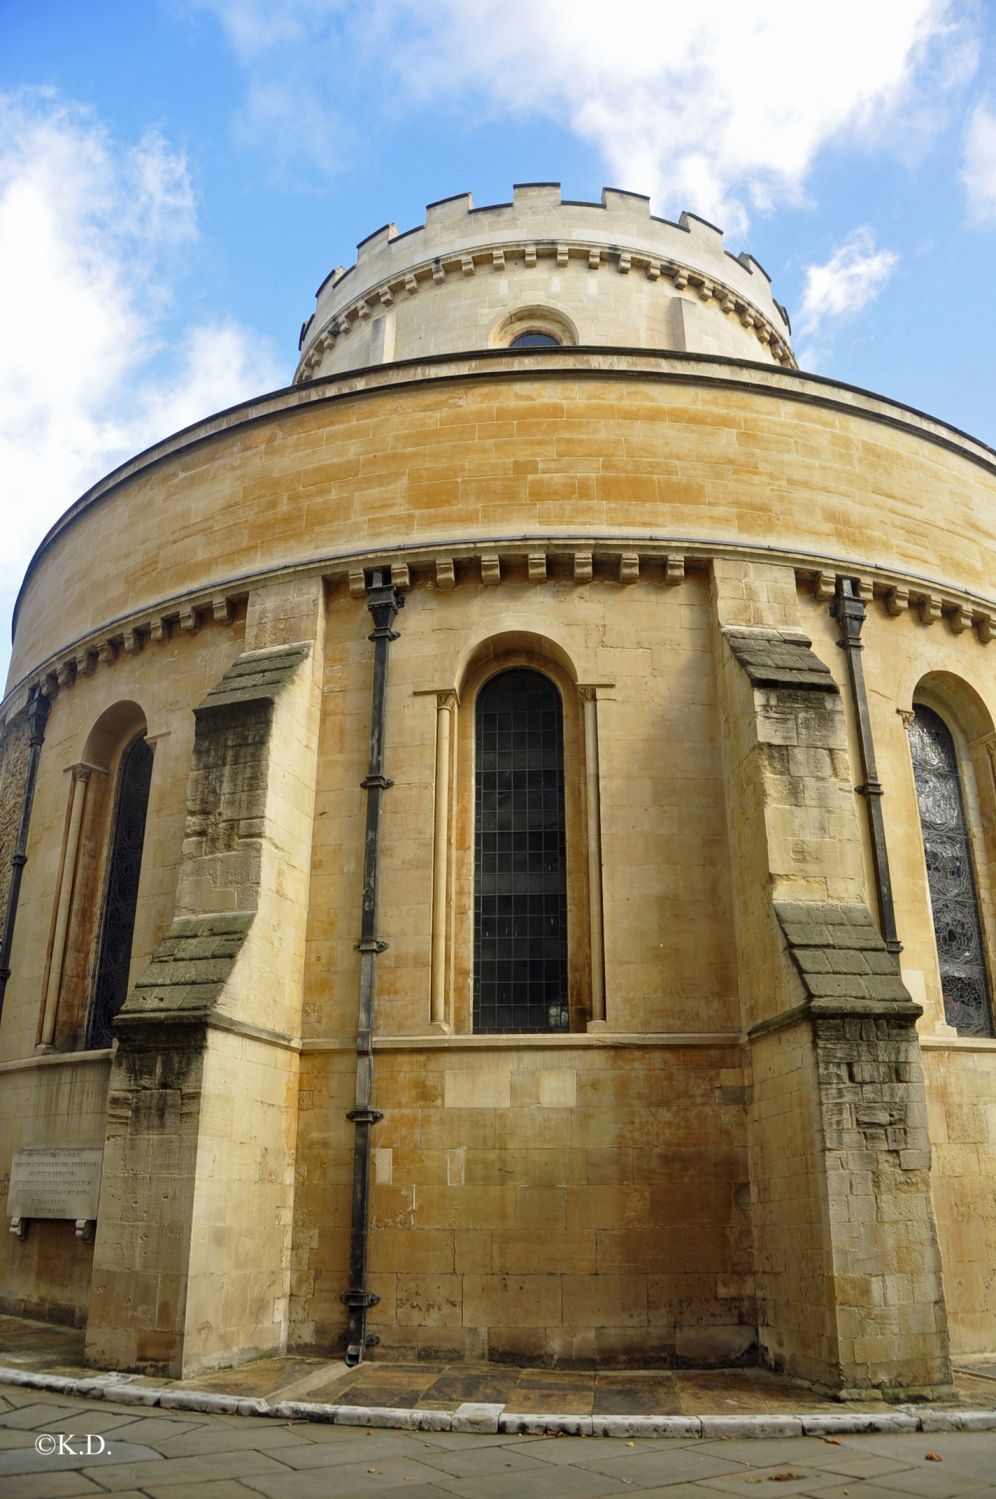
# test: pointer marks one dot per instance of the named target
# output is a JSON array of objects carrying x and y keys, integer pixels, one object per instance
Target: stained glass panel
[
  {"x": 520, "y": 885},
  {"x": 950, "y": 879},
  {"x": 121, "y": 897}
]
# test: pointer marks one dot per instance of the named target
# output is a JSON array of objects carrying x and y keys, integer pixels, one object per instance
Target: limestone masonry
[{"x": 498, "y": 842}]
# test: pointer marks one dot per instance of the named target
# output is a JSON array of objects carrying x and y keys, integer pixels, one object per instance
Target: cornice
[
  {"x": 579, "y": 362},
  {"x": 493, "y": 561},
  {"x": 509, "y": 255}
]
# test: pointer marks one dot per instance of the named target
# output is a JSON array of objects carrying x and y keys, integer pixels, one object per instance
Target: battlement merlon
[{"x": 538, "y": 215}]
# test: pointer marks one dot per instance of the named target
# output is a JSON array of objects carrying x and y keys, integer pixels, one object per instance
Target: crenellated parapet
[{"x": 595, "y": 274}]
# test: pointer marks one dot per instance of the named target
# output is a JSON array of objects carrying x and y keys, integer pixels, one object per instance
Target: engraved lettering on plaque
[{"x": 54, "y": 1184}]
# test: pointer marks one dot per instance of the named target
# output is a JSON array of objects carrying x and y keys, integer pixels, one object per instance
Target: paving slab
[
  {"x": 351, "y": 1481},
  {"x": 791, "y": 1478},
  {"x": 234, "y": 1436},
  {"x": 214, "y": 1488},
  {"x": 39, "y": 1415},
  {"x": 560, "y": 1450},
  {"x": 481, "y": 1460},
  {"x": 545, "y": 1483},
  {"x": 29, "y": 1460},
  {"x": 126, "y": 1475},
  {"x": 934, "y": 1480},
  {"x": 56, "y": 1486},
  {"x": 657, "y": 1463}
]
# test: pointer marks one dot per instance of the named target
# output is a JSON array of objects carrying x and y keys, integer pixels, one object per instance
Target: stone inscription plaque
[{"x": 54, "y": 1184}]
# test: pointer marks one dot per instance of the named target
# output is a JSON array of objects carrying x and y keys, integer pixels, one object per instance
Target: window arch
[
  {"x": 520, "y": 978},
  {"x": 117, "y": 922},
  {"x": 535, "y": 327},
  {"x": 534, "y": 338},
  {"x": 954, "y": 899}
]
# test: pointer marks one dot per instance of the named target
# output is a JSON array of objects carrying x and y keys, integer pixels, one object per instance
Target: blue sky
[{"x": 178, "y": 176}]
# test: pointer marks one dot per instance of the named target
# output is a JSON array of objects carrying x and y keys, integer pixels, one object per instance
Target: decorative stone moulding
[
  {"x": 926, "y": 606},
  {"x": 128, "y": 639},
  {"x": 493, "y": 563},
  {"x": 461, "y": 241}
]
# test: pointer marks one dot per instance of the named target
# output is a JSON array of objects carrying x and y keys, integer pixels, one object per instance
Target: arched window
[
  {"x": 533, "y": 328},
  {"x": 534, "y": 338},
  {"x": 121, "y": 892},
  {"x": 950, "y": 877},
  {"x": 520, "y": 874}
]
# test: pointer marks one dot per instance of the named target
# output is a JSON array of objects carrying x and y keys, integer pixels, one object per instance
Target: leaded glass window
[
  {"x": 950, "y": 878},
  {"x": 520, "y": 878},
  {"x": 535, "y": 338},
  {"x": 121, "y": 898}
]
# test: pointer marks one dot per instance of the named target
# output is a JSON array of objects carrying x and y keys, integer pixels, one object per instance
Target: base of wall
[{"x": 62, "y": 1314}]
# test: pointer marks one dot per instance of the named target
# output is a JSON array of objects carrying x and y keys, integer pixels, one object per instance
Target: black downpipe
[
  {"x": 383, "y": 601},
  {"x": 37, "y": 713},
  {"x": 849, "y": 612}
]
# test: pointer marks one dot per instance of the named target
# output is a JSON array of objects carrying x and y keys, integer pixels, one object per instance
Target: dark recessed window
[
  {"x": 121, "y": 899},
  {"x": 950, "y": 878},
  {"x": 534, "y": 339},
  {"x": 520, "y": 884}
]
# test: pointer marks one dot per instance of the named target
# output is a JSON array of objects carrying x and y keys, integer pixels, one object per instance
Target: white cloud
[
  {"x": 840, "y": 288},
  {"x": 721, "y": 110},
  {"x": 978, "y": 172},
  {"x": 91, "y": 237}
]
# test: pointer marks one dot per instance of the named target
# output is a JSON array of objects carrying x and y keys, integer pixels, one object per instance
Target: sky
[{"x": 177, "y": 177}]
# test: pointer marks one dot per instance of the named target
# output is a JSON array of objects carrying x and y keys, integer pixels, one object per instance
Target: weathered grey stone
[
  {"x": 190, "y": 966},
  {"x": 856, "y": 1422},
  {"x": 535, "y": 1424},
  {"x": 473, "y": 1416},
  {"x": 773, "y": 658},
  {"x": 199, "y": 1400},
  {"x": 304, "y": 1410},
  {"x": 432, "y": 1420},
  {"x": 133, "y": 1394},
  {"x": 384, "y": 1415},
  {"x": 641, "y": 1426},
  {"x": 253, "y": 1408},
  {"x": 256, "y": 675},
  {"x": 751, "y": 1426}
]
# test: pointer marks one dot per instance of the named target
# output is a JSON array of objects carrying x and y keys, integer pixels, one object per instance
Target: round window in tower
[
  {"x": 533, "y": 328},
  {"x": 534, "y": 338}
]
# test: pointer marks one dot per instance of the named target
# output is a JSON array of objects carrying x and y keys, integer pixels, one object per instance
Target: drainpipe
[
  {"x": 37, "y": 713},
  {"x": 849, "y": 612},
  {"x": 383, "y": 601}
]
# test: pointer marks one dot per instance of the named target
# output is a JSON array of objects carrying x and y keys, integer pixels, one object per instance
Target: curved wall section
[
  {"x": 611, "y": 273},
  {"x": 734, "y": 1122},
  {"x": 684, "y": 450}
]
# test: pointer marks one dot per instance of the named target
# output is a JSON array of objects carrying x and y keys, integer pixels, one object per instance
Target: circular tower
[{"x": 507, "y": 823}]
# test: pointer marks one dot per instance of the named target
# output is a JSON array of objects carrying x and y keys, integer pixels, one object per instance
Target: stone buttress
[
  {"x": 192, "y": 1256},
  {"x": 849, "y": 1283}
]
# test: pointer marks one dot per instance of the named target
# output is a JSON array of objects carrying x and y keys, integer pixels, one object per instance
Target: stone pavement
[
  {"x": 128, "y": 1450},
  {"x": 302, "y": 1427}
]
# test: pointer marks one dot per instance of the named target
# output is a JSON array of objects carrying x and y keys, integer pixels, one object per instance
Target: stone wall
[
  {"x": 543, "y": 1203},
  {"x": 13, "y": 771},
  {"x": 46, "y": 1102},
  {"x": 961, "y": 1098},
  {"x": 660, "y": 537},
  {"x": 699, "y": 452},
  {"x": 609, "y": 274}
]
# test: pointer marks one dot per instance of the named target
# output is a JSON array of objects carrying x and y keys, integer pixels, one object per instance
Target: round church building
[{"x": 498, "y": 842}]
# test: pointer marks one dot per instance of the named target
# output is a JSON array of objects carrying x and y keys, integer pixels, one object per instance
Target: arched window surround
[
  {"x": 78, "y": 906},
  {"x": 505, "y": 658},
  {"x": 533, "y": 319},
  {"x": 966, "y": 718}
]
